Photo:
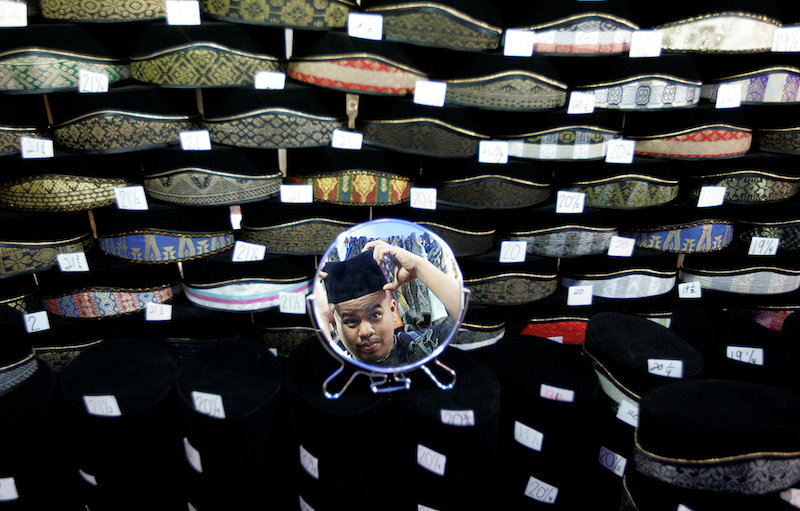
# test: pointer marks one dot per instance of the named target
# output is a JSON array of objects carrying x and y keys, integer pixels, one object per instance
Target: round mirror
[{"x": 388, "y": 296}]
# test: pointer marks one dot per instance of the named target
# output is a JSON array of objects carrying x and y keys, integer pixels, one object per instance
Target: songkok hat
[{"x": 354, "y": 277}]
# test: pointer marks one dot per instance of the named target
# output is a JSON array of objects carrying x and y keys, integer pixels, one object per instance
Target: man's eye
[
  {"x": 377, "y": 315},
  {"x": 351, "y": 323}
]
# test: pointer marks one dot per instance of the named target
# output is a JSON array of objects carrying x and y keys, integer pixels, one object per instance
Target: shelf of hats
[{"x": 618, "y": 183}]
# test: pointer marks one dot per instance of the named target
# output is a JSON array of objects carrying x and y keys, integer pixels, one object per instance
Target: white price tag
[
  {"x": 628, "y": 412},
  {"x": 792, "y": 496},
  {"x": 343, "y": 139},
  {"x": 13, "y": 14},
  {"x": 541, "y": 491},
  {"x": 620, "y": 150},
  {"x": 579, "y": 295},
  {"x": 304, "y": 505},
  {"x": 711, "y": 196},
  {"x": 183, "y": 12},
  {"x": 131, "y": 197},
  {"x": 36, "y": 321},
  {"x": 8, "y": 488},
  {"x": 236, "y": 217},
  {"x": 102, "y": 406},
  {"x": 527, "y": 436},
  {"x": 556, "y": 393},
  {"x": 292, "y": 303},
  {"x": 89, "y": 478},
  {"x": 422, "y": 198},
  {"x": 208, "y": 404},
  {"x": 580, "y": 102},
  {"x": 431, "y": 460},
  {"x": 746, "y": 354},
  {"x": 365, "y": 25},
  {"x": 612, "y": 461},
  {"x": 244, "y": 252},
  {"x": 90, "y": 82},
  {"x": 309, "y": 463},
  {"x": 297, "y": 194},
  {"x": 269, "y": 80},
  {"x": 763, "y": 246},
  {"x": 195, "y": 140},
  {"x": 430, "y": 93},
  {"x": 690, "y": 290},
  {"x": 518, "y": 43},
  {"x": 681, "y": 507},
  {"x": 570, "y": 202},
  {"x": 157, "y": 312},
  {"x": 192, "y": 456},
  {"x": 670, "y": 368},
  {"x": 493, "y": 151},
  {"x": 513, "y": 251},
  {"x": 558, "y": 338},
  {"x": 421, "y": 507},
  {"x": 458, "y": 417},
  {"x": 729, "y": 95},
  {"x": 646, "y": 43},
  {"x": 621, "y": 246},
  {"x": 33, "y": 147},
  {"x": 786, "y": 39},
  {"x": 73, "y": 261}
]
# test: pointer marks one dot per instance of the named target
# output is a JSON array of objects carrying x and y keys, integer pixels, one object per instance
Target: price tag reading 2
[{"x": 36, "y": 321}]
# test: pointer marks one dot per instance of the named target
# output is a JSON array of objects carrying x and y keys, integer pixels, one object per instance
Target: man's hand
[{"x": 406, "y": 264}]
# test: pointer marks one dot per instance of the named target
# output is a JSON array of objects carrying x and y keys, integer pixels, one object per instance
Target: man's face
[{"x": 366, "y": 325}]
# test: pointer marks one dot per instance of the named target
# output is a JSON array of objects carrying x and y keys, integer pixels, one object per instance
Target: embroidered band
[
  {"x": 753, "y": 281},
  {"x": 587, "y": 33},
  {"x": 625, "y": 191},
  {"x": 42, "y": 70},
  {"x": 779, "y": 140},
  {"x": 192, "y": 186},
  {"x": 645, "y": 93},
  {"x": 748, "y": 186},
  {"x": 566, "y": 240},
  {"x": 202, "y": 64},
  {"x": 307, "y": 14},
  {"x": 12, "y": 375},
  {"x": 787, "y": 231},
  {"x": 568, "y": 330},
  {"x": 58, "y": 357},
  {"x": 492, "y": 191},
  {"x": 105, "y": 302},
  {"x": 510, "y": 288},
  {"x": 508, "y": 90},
  {"x": 356, "y": 73},
  {"x": 307, "y": 236},
  {"x": 423, "y": 136},
  {"x": 758, "y": 476},
  {"x": 163, "y": 247},
  {"x": 249, "y": 295},
  {"x": 437, "y": 25},
  {"x": 773, "y": 85},
  {"x": 23, "y": 257},
  {"x": 701, "y": 237},
  {"x": 103, "y": 10},
  {"x": 112, "y": 131},
  {"x": 51, "y": 192},
  {"x": 10, "y": 137},
  {"x": 720, "y": 32},
  {"x": 639, "y": 285},
  {"x": 363, "y": 187},
  {"x": 564, "y": 143},
  {"x": 273, "y": 128},
  {"x": 713, "y": 141}
]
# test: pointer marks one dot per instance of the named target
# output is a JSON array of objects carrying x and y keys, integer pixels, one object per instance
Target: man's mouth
[{"x": 369, "y": 346}]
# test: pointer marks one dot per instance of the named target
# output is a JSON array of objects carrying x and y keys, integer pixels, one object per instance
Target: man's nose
[{"x": 365, "y": 330}]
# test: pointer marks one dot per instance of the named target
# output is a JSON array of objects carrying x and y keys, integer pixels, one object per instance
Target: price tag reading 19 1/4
[{"x": 763, "y": 246}]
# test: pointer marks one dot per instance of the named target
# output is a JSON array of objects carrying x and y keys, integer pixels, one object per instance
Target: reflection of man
[{"x": 364, "y": 311}]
